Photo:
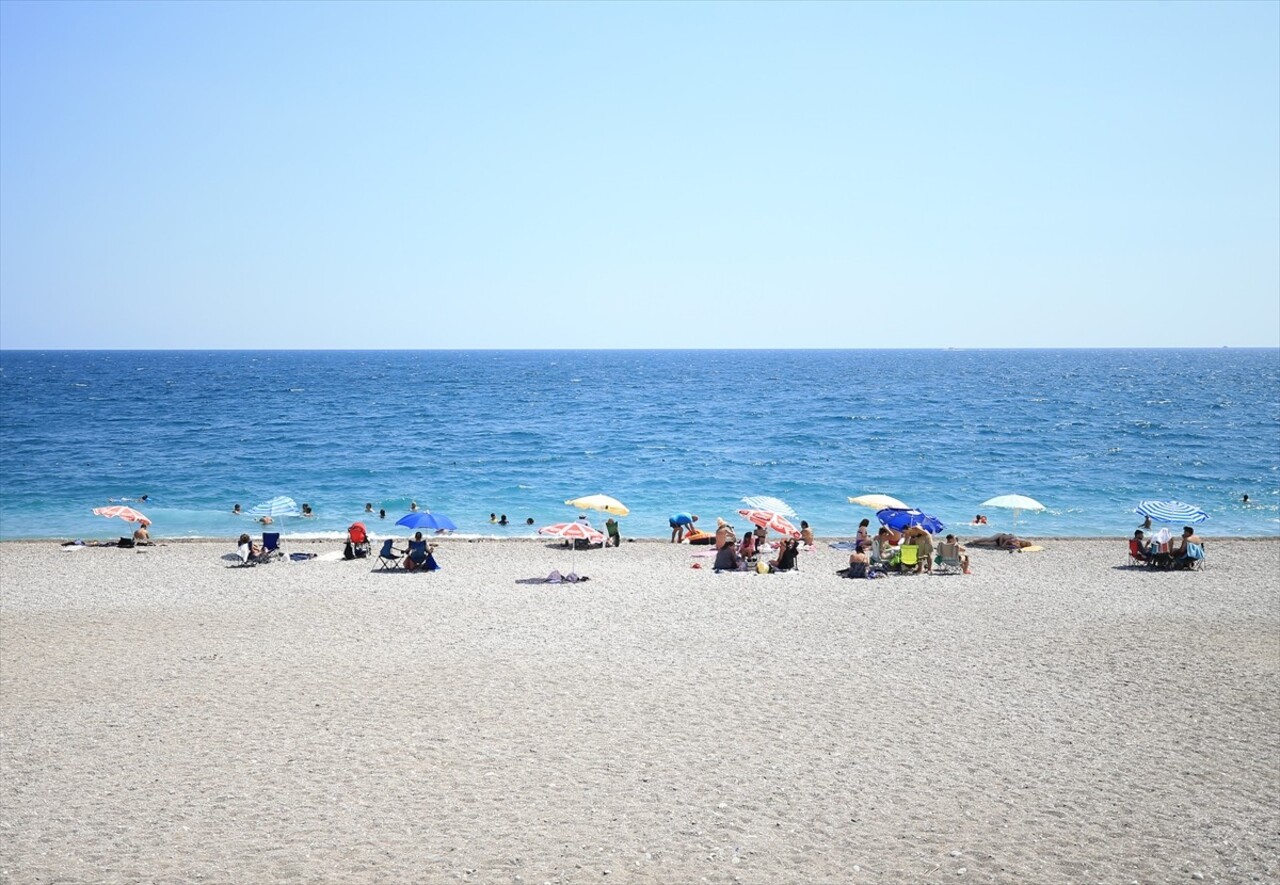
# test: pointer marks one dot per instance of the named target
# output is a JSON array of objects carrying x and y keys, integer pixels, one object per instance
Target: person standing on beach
[
  {"x": 615, "y": 536},
  {"x": 681, "y": 525}
]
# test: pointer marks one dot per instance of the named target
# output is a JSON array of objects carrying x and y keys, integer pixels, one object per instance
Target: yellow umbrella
[
  {"x": 878, "y": 502},
  {"x": 600, "y": 502}
]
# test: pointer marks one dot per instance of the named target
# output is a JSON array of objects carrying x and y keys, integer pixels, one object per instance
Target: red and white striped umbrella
[
  {"x": 128, "y": 514},
  {"x": 573, "y": 531},
  {"x": 774, "y": 522}
]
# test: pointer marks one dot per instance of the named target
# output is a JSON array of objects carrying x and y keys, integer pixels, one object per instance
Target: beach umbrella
[
  {"x": 282, "y": 505},
  {"x": 765, "y": 502},
  {"x": 1163, "y": 511},
  {"x": 600, "y": 502},
  {"x": 1016, "y": 503},
  {"x": 128, "y": 514},
  {"x": 425, "y": 519},
  {"x": 572, "y": 531},
  {"x": 878, "y": 502},
  {"x": 770, "y": 521},
  {"x": 898, "y": 519}
]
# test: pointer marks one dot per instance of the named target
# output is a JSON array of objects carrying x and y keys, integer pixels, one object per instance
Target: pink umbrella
[
  {"x": 774, "y": 522},
  {"x": 573, "y": 531},
  {"x": 128, "y": 514}
]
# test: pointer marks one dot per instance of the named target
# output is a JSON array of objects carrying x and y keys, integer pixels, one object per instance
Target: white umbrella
[
  {"x": 1016, "y": 503},
  {"x": 773, "y": 505}
]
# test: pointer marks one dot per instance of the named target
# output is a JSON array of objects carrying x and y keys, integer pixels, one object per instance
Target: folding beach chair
[
  {"x": 1136, "y": 556},
  {"x": 388, "y": 558},
  {"x": 358, "y": 538},
  {"x": 948, "y": 560},
  {"x": 908, "y": 557},
  {"x": 271, "y": 547}
]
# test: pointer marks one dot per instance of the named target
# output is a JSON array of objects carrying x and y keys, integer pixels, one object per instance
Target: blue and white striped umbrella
[
  {"x": 765, "y": 502},
  {"x": 278, "y": 506},
  {"x": 1171, "y": 511}
]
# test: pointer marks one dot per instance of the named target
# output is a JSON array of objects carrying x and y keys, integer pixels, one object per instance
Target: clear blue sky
[{"x": 639, "y": 175}]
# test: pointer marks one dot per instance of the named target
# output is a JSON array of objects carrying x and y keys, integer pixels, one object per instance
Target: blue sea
[{"x": 1089, "y": 433}]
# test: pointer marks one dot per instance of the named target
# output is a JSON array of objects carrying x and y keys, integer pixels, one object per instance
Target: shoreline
[{"x": 1055, "y": 717}]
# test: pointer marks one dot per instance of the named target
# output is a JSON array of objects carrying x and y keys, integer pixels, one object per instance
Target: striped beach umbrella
[
  {"x": 1171, "y": 511},
  {"x": 128, "y": 514},
  {"x": 770, "y": 521},
  {"x": 573, "y": 531},
  {"x": 281, "y": 505},
  {"x": 765, "y": 502}
]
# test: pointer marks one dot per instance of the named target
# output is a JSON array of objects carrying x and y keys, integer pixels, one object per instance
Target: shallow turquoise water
[{"x": 1087, "y": 432}]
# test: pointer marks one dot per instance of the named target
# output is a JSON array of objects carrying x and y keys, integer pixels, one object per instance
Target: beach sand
[{"x": 1054, "y": 717}]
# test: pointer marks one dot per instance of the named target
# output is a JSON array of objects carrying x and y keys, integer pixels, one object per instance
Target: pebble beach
[{"x": 1053, "y": 717}]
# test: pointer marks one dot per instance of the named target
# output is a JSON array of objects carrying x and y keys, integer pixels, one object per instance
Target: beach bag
[
  {"x": 762, "y": 567},
  {"x": 125, "y": 542},
  {"x": 347, "y": 552}
]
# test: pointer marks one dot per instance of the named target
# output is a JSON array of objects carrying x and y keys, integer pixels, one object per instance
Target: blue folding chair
[{"x": 388, "y": 558}]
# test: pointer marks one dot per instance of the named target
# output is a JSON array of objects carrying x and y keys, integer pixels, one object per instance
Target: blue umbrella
[
  {"x": 1171, "y": 511},
  {"x": 898, "y": 520},
  {"x": 278, "y": 506},
  {"x": 425, "y": 519}
]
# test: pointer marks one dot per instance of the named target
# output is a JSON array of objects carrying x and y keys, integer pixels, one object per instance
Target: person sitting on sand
[
  {"x": 1146, "y": 523},
  {"x": 725, "y": 536},
  {"x": 859, "y": 554},
  {"x": 420, "y": 555},
  {"x": 747, "y": 550},
  {"x": 681, "y": 526},
  {"x": 786, "y": 560},
  {"x": 615, "y": 536},
  {"x": 864, "y": 532},
  {"x": 141, "y": 535},
  {"x": 806, "y": 534},
  {"x": 727, "y": 559}
]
